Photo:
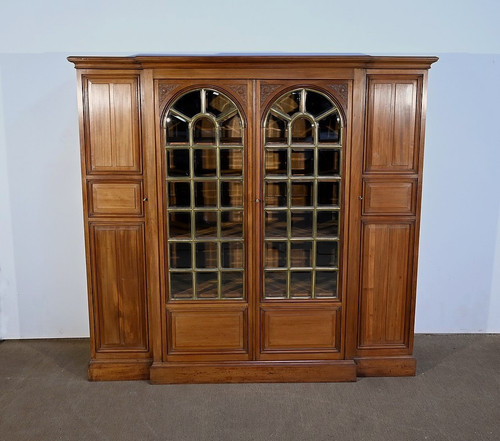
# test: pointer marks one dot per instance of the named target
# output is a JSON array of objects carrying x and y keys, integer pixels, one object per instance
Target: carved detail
[
  {"x": 240, "y": 90},
  {"x": 266, "y": 90},
  {"x": 165, "y": 89},
  {"x": 341, "y": 91}
]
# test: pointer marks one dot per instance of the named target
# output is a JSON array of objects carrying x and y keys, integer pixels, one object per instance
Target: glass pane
[
  {"x": 276, "y": 162},
  {"x": 189, "y": 104},
  {"x": 232, "y": 254},
  {"x": 303, "y": 162},
  {"x": 217, "y": 103},
  {"x": 180, "y": 255},
  {"x": 275, "y": 284},
  {"x": 204, "y": 131},
  {"x": 206, "y": 285},
  {"x": 231, "y": 131},
  {"x": 179, "y": 225},
  {"x": 328, "y": 193},
  {"x": 326, "y": 284},
  {"x": 231, "y": 162},
  {"x": 206, "y": 255},
  {"x": 205, "y": 194},
  {"x": 300, "y": 284},
  {"x": 181, "y": 286},
  {"x": 206, "y": 224},
  {"x": 232, "y": 284},
  {"x": 329, "y": 129},
  {"x": 328, "y": 224},
  {"x": 231, "y": 194},
  {"x": 276, "y": 194},
  {"x": 275, "y": 130},
  {"x": 231, "y": 224},
  {"x": 302, "y": 193},
  {"x": 205, "y": 162},
  {"x": 301, "y": 254},
  {"x": 302, "y": 223},
  {"x": 177, "y": 162},
  {"x": 177, "y": 130},
  {"x": 290, "y": 103},
  {"x": 326, "y": 254},
  {"x": 302, "y": 131},
  {"x": 275, "y": 224},
  {"x": 329, "y": 162},
  {"x": 275, "y": 253},
  {"x": 179, "y": 194},
  {"x": 316, "y": 103}
]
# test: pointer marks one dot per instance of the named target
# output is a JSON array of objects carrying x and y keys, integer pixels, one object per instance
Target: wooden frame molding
[{"x": 251, "y": 218}]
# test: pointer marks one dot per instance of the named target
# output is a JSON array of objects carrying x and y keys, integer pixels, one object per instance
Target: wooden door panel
[
  {"x": 113, "y": 125},
  {"x": 112, "y": 198},
  {"x": 385, "y": 285},
  {"x": 389, "y": 197},
  {"x": 119, "y": 287},
  {"x": 392, "y": 129}
]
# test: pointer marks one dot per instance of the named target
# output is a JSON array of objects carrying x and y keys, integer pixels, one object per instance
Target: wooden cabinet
[{"x": 251, "y": 218}]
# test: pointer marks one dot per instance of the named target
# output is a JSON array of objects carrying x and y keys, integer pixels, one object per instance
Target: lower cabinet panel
[
  {"x": 119, "y": 288},
  {"x": 385, "y": 300}
]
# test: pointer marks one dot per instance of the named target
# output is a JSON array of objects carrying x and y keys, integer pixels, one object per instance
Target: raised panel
[
  {"x": 113, "y": 143},
  {"x": 393, "y": 197},
  {"x": 385, "y": 285},
  {"x": 391, "y": 131},
  {"x": 119, "y": 287},
  {"x": 199, "y": 329},
  {"x": 115, "y": 198},
  {"x": 301, "y": 329}
]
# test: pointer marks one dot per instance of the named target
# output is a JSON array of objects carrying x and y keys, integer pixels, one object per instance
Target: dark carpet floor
[{"x": 44, "y": 395}]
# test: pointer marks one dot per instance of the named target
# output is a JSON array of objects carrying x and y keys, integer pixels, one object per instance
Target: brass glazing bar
[
  {"x": 219, "y": 248},
  {"x": 302, "y": 104},
  {"x": 203, "y": 178},
  {"x": 325, "y": 114},
  {"x": 305, "y": 178},
  {"x": 192, "y": 204},
  {"x": 280, "y": 114},
  {"x": 203, "y": 101},
  {"x": 181, "y": 115},
  {"x": 315, "y": 213},
  {"x": 289, "y": 214},
  {"x": 223, "y": 116}
]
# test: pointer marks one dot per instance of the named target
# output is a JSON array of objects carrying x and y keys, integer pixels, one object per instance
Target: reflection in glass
[
  {"x": 205, "y": 224},
  {"x": 179, "y": 194},
  {"x": 317, "y": 103},
  {"x": 275, "y": 224},
  {"x": 326, "y": 254},
  {"x": 189, "y": 104},
  {"x": 204, "y": 131},
  {"x": 329, "y": 162},
  {"x": 231, "y": 224},
  {"x": 217, "y": 103},
  {"x": 178, "y": 162},
  {"x": 206, "y": 255},
  {"x": 179, "y": 225},
  {"x": 206, "y": 285},
  {"x": 275, "y": 284},
  {"x": 205, "y": 194},
  {"x": 300, "y": 284},
  {"x": 302, "y": 131},
  {"x": 329, "y": 129},
  {"x": 205, "y": 162},
  {"x": 276, "y": 162},
  {"x": 177, "y": 130},
  {"x": 301, "y": 254},
  {"x": 181, "y": 285},
  {"x": 327, "y": 223},
  {"x": 302, "y": 194},
  {"x": 326, "y": 283},
  {"x": 231, "y": 162},
  {"x": 276, "y": 194},
  {"x": 276, "y": 254},
  {"x": 328, "y": 193},
  {"x": 289, "y": 103},
  {"x": 302, "y": 223},
  {"x": 232, "y": 254},
  {"x": 232, "y": 284},
  {"x": 303, "y": 162},
  {"x": 275, "y": 130},
  {"x": 231, "y": 131},
  {"x": 180, "y": 255},
  {"x": 231, "y": 193}
]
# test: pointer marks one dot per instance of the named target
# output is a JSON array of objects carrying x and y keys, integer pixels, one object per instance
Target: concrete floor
[{"x": 44, "y": 395}]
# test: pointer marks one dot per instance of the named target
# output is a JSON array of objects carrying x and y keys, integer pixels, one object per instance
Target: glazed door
[
  {"x": 206, "y": 226},
  {"x": 300, "y": 304}
]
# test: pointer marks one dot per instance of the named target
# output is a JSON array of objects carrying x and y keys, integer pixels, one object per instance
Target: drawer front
[
  {"x": 115, "y": 198},
  {"x": 389, "y": 197}
]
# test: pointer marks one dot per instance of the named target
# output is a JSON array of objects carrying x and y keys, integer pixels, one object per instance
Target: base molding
[
  {"x": 253, "y": 372},
  {"x": 119, "y": 370},
  {"x": 386, "y": 366}
]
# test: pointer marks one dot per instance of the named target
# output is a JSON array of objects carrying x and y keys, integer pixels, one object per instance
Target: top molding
[{"x": 243, "y": 62}]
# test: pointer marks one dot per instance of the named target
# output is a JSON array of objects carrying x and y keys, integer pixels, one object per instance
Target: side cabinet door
[{"x": 390, "y": 191}]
